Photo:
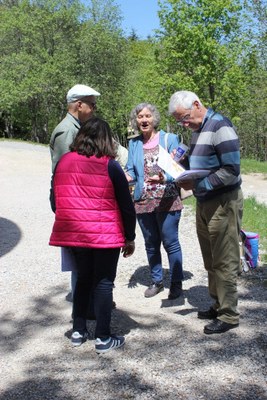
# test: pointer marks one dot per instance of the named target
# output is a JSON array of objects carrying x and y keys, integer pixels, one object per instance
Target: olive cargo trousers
[{"x": 218, "y": 223}]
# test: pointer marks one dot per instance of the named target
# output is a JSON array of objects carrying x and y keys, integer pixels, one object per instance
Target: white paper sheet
[{"x": 166, "y": 162}]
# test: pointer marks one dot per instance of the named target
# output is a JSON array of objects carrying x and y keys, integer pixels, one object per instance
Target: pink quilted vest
[{"x": 87, "y": 213}]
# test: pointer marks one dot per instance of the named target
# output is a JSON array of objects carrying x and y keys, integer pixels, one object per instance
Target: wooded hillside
[{"x": 217, "y": 49}]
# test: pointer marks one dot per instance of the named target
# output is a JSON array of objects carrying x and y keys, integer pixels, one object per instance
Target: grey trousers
[{"x": 218, "y": 223}]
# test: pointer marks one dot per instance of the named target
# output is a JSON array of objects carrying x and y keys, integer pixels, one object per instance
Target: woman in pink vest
[{"x": 95, "y": 218}]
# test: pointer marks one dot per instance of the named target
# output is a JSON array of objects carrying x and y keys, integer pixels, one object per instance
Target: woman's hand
[
  {"x": 160, "y": 178},
  {"x": 128, "y": 249},
  {"x": 172, "y": 153},
  {"x": 128, "y": 177}
]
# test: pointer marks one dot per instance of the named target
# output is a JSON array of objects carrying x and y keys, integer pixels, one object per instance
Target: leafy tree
[
  {"x": 133, "y": 35},
  {"x": 200, "y": 48},
  {"x": 106, "y": 13},
  {"x": 259, "y": 11},
  {"x": 37, "y": 39},
  {"x": 142, "y": 82},
  {"x": 103, "y": 66},
  {"x": 252, "y": 119},
  {"x": 47, "y": 47},
  {"x": 217, "y": 49}
]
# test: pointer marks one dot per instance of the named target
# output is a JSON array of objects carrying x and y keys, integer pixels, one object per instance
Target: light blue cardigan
[{"x": 135, "y": 163}]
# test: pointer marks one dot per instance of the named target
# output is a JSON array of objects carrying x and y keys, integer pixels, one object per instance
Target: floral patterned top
[{"x": 156, "y": 197}]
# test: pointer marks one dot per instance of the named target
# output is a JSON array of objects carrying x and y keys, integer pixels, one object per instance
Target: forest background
[{"x": 214, "y": 48}]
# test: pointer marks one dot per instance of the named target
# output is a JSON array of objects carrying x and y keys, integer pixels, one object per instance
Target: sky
[{"x": 140, "y": 15}]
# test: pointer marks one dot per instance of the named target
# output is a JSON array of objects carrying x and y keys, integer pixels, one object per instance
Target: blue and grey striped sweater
[{"x": 215, "y": 147}]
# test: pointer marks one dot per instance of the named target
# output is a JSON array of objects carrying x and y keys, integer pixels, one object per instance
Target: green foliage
[
  {"x": 98, "y": 51},
  {"x": 106, "y": 13},
  {"x": 254, "y": 217},
  {"x": 253, "y": 118},
  {"x": 201, "y": 45},
  {"x": 37, "y": 38},
  {"x": 217, "y": 49},
  {"x": 142, "y": 83},
  {"x": 213, "y": 49},
  {"x": 255, "y": 213}
]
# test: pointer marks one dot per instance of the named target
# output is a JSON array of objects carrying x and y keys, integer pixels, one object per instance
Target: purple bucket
[{"x": 251, "y": 248}]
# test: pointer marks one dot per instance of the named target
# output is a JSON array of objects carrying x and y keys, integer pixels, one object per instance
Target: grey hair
[
  {"x": 136, "y": 110},
  {"x": 184, "y": 99}
]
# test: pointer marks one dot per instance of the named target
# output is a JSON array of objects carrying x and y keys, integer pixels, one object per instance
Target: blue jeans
[
  {"x": 157, "y": 228},
  {"x": 95, "y": 277}
]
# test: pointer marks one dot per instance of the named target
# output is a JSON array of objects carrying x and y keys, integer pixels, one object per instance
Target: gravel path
[{"x": 166, "y": 355}]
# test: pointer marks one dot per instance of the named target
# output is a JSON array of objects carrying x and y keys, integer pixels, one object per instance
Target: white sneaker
[{"x": 77, "y": 338}]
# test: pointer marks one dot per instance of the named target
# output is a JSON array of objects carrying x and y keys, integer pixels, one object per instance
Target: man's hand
[
  {"x": 128, "y": 249},
  {"x": 186, "y": 185}
]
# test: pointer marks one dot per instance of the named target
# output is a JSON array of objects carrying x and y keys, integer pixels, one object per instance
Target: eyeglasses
[
  {"x": 89, "y": 103},
  {"x": 184, "y": 119}
]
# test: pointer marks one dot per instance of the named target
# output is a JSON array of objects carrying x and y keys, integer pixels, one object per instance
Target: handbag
[{"x": 184, "y": 194}]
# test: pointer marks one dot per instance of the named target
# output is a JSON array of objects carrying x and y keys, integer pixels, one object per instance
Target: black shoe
[
  {"x": 218, "y": 326},
  {"x": 209, "y": 314},
  {"x": 175, "y": 290},
  {"x": 154, "y": 289}
]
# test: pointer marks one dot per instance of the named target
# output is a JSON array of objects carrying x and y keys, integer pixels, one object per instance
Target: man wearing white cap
[{"x": 81, "y": 101}]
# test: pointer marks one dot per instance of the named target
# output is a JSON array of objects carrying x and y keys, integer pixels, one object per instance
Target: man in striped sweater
[{"x": 219, "y": 206}]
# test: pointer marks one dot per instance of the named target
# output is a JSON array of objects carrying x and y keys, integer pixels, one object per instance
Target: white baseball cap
[{"x": 79, "y": 91}]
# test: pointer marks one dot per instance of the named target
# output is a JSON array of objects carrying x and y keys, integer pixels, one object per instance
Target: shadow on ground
[
  {"x": 142, "y": 276},
  {"x": 63, "y": 373},
  {"x": 10, "y": 235}
]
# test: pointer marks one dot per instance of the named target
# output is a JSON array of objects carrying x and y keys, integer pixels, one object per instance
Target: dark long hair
[{"x": 94, "y": 138}]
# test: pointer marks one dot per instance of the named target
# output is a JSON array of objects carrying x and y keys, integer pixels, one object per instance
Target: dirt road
[
  {"x": 255, "y": 185},
  {"x": 166, "y": 355}
]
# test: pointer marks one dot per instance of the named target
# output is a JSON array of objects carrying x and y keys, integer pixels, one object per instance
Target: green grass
[
  {"x": 249, "y": 166},
  {"x": 255, "y": 214},
  {"x": 254, "y": 220}
]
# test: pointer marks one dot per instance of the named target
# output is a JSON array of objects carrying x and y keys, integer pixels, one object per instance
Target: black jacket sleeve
[{"x": 123, "y": 198}]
